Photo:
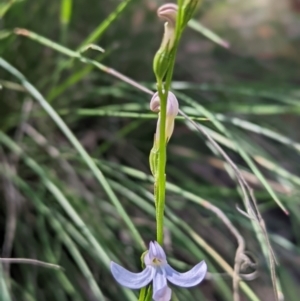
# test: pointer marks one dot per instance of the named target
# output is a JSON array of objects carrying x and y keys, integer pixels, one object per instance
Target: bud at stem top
[
  {"x": 188, "y": 8},
  {"x": 163, "y": 57}
]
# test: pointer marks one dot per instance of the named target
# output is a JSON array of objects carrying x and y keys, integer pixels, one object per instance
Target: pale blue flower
[{"x": 159, "y": 271}]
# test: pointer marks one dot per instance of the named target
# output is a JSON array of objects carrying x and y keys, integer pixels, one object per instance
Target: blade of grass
[
  {"x": 240, "y": 90},
  {"x": 65, "y": 239},
  {"x": 55, "y": 221},
  {"x": 73, "y": 140},
  {"x": 5, "y": 7},
  {"x": 240, "y": 150},
  {"x": 73, "y": 54},
  {"x": 103, "y": 26},
  {"x": 65, "y": 17},
  {"x": 59, "y": 196},
  {"x": 259, "y": 227},
  {"x": 66, "y": 286},
  {"x": 3, "y": 286},
  {"x": 195, "y": 25},
  {"x": 95, "y": 35}
]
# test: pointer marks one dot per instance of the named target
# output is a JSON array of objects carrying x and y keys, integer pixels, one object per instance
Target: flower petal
[
  {"x": 161, "y": 292},
  {"x": 156, "y": 251},
  {"x": 172, "y": 105},
  {"x": 169, "y": 128},
  {"x": 129, "y": 279},
  {"x": 188, "y": 279}
]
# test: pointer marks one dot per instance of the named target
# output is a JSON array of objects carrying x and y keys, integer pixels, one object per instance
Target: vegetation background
[{"x": 80, "y": 209}]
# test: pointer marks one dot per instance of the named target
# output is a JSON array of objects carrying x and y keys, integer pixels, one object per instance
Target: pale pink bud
[
  {"x": 168, "y": 12},
  {"x": 171, "y": 113}
]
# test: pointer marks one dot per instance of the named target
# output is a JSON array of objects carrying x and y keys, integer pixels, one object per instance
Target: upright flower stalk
[
  {"x": 157, "y": 271},
  {"x": 157, "y": 158},
  {"x": 176, "y": 18},
  {"x": 163, "y": 62}
]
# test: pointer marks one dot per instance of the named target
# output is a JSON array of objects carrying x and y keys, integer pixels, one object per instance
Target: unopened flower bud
[
  {"x": 168, "y": 12},
  {"x": 172, "y": 104},
  {"x": 171, "y": 113},
  {"x": 163, "y": 56},
  {"x": 188, "y": 8}
]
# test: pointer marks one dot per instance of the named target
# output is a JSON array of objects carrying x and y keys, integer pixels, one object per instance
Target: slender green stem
[{"x": 161, "y": 177}]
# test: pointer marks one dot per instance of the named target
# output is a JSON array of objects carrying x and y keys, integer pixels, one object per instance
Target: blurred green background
[{"x": 77, "y": 191}]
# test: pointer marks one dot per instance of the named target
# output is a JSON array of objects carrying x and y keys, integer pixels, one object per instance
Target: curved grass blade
[
  {"x": 193, "y": 24},
  {"x": 73, "y": 140},
  {"x": 103, "y": 26},
  {"x": 59, "y": 196},
  {"x": 240, "y": 150},
  {"x": 3, "y": 286}
]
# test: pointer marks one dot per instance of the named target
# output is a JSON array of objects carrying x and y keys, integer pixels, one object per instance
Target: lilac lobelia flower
[{"x": 159, "y": 271}]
